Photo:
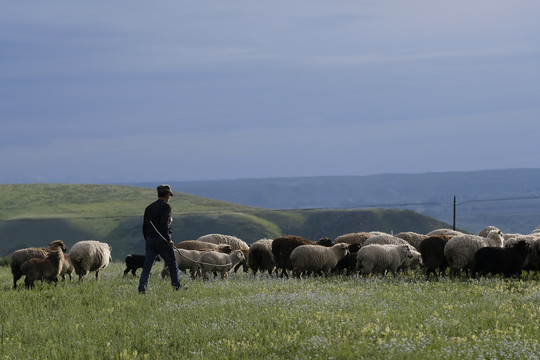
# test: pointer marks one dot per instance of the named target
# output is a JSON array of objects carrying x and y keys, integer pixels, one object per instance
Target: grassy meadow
[{"x": 246, "y": 317}]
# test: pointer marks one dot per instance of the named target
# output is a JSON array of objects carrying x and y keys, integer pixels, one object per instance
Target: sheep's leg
[
  {"x": 126, "y": 271},
  {"x": 16, "y": 277}
]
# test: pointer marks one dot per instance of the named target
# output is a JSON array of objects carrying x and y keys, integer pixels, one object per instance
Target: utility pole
[{"x": 454, "y": 223}]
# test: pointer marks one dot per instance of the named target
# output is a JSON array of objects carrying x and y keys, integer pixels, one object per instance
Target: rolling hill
[
  {"x": 35, "y": 214},
  {"x": 506, "y": 198}
]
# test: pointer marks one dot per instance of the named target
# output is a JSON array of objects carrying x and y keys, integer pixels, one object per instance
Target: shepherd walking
[{"x": 157, "y": 235}]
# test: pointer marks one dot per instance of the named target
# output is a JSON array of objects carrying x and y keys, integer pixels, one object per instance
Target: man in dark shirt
[{"x": 157, "y": 235}]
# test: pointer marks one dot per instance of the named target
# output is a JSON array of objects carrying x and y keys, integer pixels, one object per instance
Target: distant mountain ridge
[{"x": 429, "y": 193}]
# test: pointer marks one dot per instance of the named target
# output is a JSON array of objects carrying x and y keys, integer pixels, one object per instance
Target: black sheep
[
  {"x": 507, "y": 261},
  {"x": 134, "y": 262},
  {"x": 348, "y": 263},
  {"x": 432, "y": 250}
]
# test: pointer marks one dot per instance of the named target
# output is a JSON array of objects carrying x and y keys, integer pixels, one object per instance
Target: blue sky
[{"x": 127, "y": 91}]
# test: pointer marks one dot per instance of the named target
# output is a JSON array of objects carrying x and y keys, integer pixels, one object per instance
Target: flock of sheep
[{"x": 364, "y": 253}]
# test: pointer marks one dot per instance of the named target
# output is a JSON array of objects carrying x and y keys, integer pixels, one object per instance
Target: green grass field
[{"x": 268, "y": 318}]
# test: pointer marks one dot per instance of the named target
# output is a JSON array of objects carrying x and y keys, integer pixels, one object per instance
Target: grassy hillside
[
  {"x": 35, "y": 214},
  {"x": 262, "y": 317}
]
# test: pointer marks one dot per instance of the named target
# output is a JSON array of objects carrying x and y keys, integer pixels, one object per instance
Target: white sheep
[
  {"x": 459, "y": 250},
  {"x": 377, "y": 259},
  {"x": 219, "y": 262},
  {"x": 233, "y": 241},
  {"x": 90, "y": 255},
  {"x": 485, "y": 231},
  {"x": 449, "y": 232},
  {"x": 186, "y": 260},
  {"x": 413, "y": 262},
  {"x": 385, "y": 239},
  {"x": 316, "y": 258},
  {"x": 260, "y": 256}
]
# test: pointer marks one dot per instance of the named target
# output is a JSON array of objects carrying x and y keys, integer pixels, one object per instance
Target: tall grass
[{"x": 268, "y": 318}]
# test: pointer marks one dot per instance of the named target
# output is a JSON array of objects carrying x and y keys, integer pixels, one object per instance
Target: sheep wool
[
  {"x": 313, "y": 258},
  {"x": 233, "y": 241},
  {"x": 414, "y": 239},
  {"x": 385, "y": 239},
  {"x": 219, "y": 262},
  {"x": 377, "y": 259},
  {"x": 88, "y": 256}
]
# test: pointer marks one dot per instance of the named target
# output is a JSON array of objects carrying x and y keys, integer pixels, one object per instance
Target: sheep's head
[
  {"x": 407, "y": 250},
  {"x": 57, "y": 244},
  {"x": 225, "y": 248},
  {"x": 326, "y": 242},
  {"x": 497, "y": 238},
  {"x": 353, "y": 248},
  {"x": 344, "y": 249},
  {"x": 239, "y": 255}
]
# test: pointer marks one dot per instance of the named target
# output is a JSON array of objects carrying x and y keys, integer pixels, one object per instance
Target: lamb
[
  {"x": 233, "y": 241},
  {"x": 348, "y": 263},
  {"x": 507, "y": 261},
  {"x": 197, "y": 245},
  {"x": 282, "y": 247},
  {"x": 186, "y": 260},
  {"x": 376, "y": 258},
  {"x": 88, "y": 256},
  {"x": 260, "y": 257},
  {"x": 67, "y": 267},
  {"x": 219, "y": 262},
  {"x": 485, "y": 231},
  {"x": 47, "y": 268},
  {"x": 413, "y": 262},
  {"x": 309, "y": 258},
  {"x": 432, "y": 251},
  {"x": 353, "y": 238},
  {"x": 412, "y": 238},
  {"x": 134, "y": 262},
  {"x": 19, "y": 257},
  {"x": 459, "y": 250}
]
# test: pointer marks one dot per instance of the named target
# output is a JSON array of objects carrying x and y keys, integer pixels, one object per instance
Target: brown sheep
[
  {"x": 67, "y": 267},
  {"x": 354, "y": 238},
  {"x": 47, "y": 268},
  {"x": 260, "y": 257},
  {"x": 282, "y": 248},
  {"x": 19, "y": 257}
]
